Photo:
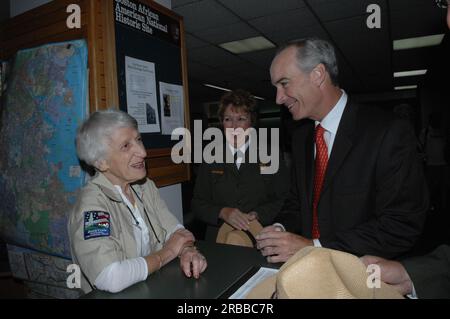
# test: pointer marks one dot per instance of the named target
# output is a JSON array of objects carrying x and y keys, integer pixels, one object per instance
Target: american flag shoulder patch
[{"x": 96, "y": 224}]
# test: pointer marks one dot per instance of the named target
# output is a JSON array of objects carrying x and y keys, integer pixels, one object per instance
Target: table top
[{"x": 227, "y": 265}]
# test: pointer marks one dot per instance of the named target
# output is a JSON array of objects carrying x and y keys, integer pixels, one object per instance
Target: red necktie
[{"x": 319, "y": 175}]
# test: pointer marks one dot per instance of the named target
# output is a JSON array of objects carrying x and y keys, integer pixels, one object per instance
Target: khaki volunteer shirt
[{"x": 100, "y": 226}]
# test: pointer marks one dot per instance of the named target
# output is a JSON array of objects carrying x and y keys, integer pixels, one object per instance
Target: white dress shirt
[{"x": 331, "y": 122}]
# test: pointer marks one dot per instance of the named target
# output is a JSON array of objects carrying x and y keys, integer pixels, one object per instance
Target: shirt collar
[
  {"x": 124, "y": 198},
  {"x": 331, "y": 121},
  {"x": 109, "y": 189},
  {"x": 243, "y": 148}
]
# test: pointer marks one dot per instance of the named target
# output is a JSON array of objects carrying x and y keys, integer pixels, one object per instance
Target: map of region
[
  {"x": 45, "y": 275},
  {"x": 40, "y": 174}
]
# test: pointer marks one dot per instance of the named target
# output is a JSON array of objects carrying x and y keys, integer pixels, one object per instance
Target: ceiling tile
[
  {"x": 192, "y": 42},
  {"x": 213, "y": 56},
  {"x": 366, "y": 50},
  {"x": 284, "y": 22},
  {"x": 309, "y": 31},
  {"x": 205, "y": 14},
  {"x": 199, "y": 70},
  {"x": 418, "y": 21},
  {"x": 249, "y": 9},
  {"x": 260, "y": 58},
  {"x": 248, "y": 70},
  {"x": 406, "y": 5},
  {"x": 329, "y": 10},
  {"x": 227, "y": 33},
  {"x": 179, "y": 3}
]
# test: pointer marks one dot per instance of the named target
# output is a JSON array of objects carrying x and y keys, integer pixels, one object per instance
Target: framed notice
[{"x": 141, "y": 94}]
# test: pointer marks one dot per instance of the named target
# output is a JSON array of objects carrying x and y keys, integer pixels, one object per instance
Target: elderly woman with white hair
[{"x": 120, "y": 229}]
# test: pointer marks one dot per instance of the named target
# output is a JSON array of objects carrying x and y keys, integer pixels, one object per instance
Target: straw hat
[
  {"x": 321, "y": 273},
  {"x": 228, "y": 235}
]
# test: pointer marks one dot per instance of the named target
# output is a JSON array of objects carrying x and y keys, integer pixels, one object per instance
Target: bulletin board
[{"x": 152, "y": 80}]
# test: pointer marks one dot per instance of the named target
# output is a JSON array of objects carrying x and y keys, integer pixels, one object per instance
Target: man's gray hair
[
  {"x": 95, "y": 132},
  {"x": 313, "y": 51}
]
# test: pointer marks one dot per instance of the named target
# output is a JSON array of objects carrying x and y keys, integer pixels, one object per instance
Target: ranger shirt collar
[
  {"x": 106, "y": 187},
  {"x": 109, "y": 190}
]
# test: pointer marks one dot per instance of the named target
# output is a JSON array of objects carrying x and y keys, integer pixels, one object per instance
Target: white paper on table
[
  {"x": 259, "y": 276},
  {"x": 142, "y": 102},
  {"x": 172, "y": 107}
]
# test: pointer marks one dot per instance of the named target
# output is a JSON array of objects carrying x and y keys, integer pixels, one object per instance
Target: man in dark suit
[{"x": 357, "y": 185}]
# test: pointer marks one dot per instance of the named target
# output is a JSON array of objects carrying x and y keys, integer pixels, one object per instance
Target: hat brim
[
  {"x": 228, "y": 233},
  {"x": 238, "y": 238}
]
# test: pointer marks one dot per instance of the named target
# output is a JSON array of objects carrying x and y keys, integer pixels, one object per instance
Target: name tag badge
[{"x": 218, "y": 172}]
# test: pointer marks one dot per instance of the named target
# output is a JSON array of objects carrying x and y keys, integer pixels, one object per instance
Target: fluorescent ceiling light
[
  {"x": 247, "y": 45},
  {"x": 405, "y": 87},
  {"x": 418, "y": 42},
  {"x": 217, "y": 87},
  {"x": 228, "y": 90},
  {"x": 409, "y": 73}
]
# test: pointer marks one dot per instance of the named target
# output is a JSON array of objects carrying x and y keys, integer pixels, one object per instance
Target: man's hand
[
  {"x": 392, "y": 273},
  {"x": 279, "y": 245},
  {"x": 192, "y": 262}
]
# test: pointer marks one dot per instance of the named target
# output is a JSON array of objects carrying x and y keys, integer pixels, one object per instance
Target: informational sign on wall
[
  {"x": 172, "y": 116},
  {"x": 145, "y": 19},
  {"x": 141, "y": 94}
]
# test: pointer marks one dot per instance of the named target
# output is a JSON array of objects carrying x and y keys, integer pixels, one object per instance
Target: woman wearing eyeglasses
[{"x": 120, "y": 229}]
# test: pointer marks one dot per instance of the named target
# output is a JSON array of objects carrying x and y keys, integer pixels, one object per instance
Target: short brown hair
[{"x": 241, "y": 100}]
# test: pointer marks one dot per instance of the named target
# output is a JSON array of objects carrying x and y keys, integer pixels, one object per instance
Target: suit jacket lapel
[
  {"x": 342, "y": 143},
  {"x": 309, "y": 163}
]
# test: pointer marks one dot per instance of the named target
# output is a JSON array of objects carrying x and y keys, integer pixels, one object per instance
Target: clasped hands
[
  {"x": 236, "y": 218},
  {"x": 181, "y": 244}
]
